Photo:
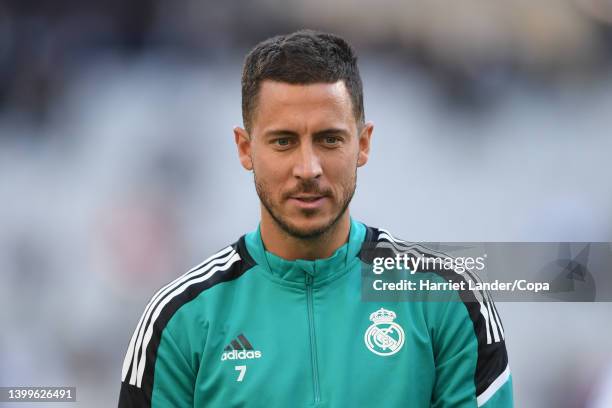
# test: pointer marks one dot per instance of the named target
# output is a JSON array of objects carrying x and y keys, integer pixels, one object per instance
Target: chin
[{"x": 309, "y": 227}]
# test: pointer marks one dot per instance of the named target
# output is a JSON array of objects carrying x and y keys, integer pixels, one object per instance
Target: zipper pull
[{"x": 309, "y": 279}]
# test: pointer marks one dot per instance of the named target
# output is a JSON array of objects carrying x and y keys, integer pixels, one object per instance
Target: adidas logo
[{"x": 240, "y": 349}]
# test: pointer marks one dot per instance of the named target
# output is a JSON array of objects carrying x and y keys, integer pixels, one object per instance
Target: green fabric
[
  {"x": 502, "y": 398},
  {"x": 307, "y": 320}
]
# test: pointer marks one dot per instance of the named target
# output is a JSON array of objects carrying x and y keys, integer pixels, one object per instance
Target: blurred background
[{"x": 493, "y": 122}]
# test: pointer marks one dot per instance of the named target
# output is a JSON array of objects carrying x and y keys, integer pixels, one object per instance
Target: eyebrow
[{"x": 285, "y": 132}]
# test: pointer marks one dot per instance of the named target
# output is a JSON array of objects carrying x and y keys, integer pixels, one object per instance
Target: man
[{"x": 277, "y": 319}]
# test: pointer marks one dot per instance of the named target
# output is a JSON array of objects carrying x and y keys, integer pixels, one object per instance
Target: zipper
[{"x": 313, "y": 343}]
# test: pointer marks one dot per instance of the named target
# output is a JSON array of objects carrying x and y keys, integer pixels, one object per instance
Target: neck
[{"x": 280, "y": 243}]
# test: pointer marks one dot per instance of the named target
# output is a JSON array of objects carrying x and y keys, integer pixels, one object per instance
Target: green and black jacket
[{"x": 248, "y": 329}]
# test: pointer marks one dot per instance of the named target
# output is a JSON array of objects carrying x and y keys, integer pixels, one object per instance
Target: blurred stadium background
[{"x": 118, "y": 170}]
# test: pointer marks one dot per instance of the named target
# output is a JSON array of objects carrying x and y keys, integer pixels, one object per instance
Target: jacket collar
[{"x": 297, "y": 271}]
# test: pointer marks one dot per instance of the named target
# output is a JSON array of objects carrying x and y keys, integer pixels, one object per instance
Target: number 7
[{"x": 242, "y": 370}]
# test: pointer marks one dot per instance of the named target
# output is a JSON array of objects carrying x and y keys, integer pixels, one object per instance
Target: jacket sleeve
[
  {"x": 166, "y": 379},
  {"x": 470, "y": 355}
]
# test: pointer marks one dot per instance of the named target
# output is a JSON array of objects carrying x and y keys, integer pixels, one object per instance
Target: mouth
[
  {"x": 307, "y": 198},
  {"x": 308, "y": 201}
]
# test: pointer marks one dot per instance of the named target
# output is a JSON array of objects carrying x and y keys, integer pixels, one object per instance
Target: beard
[{"x": 308, "y": 187}]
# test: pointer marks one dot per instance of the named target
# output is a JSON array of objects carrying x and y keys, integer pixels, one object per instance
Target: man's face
[{"x": 304, "y": 149}]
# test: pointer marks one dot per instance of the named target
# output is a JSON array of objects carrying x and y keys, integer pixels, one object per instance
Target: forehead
[{"x": 296, "y": 105}]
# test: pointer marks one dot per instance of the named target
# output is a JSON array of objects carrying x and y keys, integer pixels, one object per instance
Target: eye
[
  {"x": 331, "y": 140},
  {"x": 281, "y": 142}
]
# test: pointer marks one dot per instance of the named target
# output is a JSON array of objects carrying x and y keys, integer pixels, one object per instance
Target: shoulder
[
  {"x": 225, "y": 265},
  {"x": 492, "y": 373},
  {"x": 434, "y": 259}
]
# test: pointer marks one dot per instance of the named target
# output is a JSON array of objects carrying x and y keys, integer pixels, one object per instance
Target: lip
[{"x": 308, "y": 202}]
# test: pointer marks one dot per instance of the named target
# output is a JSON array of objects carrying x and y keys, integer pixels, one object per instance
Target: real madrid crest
[{"x": 384, "y": 337}]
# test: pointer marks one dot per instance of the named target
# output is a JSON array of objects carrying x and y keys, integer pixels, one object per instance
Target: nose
[{"x": 308, "y": 163}]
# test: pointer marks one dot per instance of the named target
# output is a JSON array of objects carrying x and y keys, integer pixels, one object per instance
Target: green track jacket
[{"x": 248, "y": 329}]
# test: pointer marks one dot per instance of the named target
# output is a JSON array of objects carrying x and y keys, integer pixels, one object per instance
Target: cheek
[
  {"x": 342, "y": 175},
  {"x": 271, "y": 174}
]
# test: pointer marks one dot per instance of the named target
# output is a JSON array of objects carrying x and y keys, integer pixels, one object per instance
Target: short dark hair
[{"x": 302, "y": 57}]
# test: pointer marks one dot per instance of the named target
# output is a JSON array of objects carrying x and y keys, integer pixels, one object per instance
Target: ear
[
  {"x": 364, "y": 143},
  {"x": 243, "y": 144}
]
